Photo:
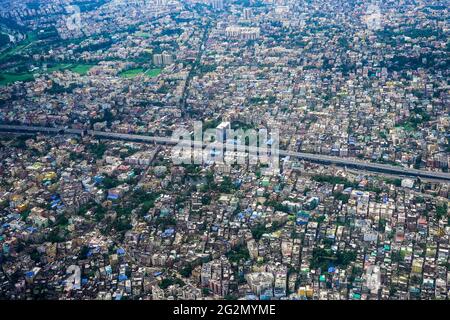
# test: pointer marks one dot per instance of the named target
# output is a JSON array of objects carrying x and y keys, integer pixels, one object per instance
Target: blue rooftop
[
  {"x": 122, "y": 277},
  {"x": 29, "y": 274}
]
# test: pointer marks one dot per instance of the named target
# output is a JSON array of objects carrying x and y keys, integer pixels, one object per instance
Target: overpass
[{"x": 317, "y": 158}]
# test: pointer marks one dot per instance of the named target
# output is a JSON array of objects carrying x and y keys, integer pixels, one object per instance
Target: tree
[
  {"x": 258, "y": 231},
  {"x": 341, "y": 197},
  {"x": 110, "y": 182},
  {"x": 56, "y": 235},
  {"x": 62, "y": 221},
  {"x": 83, "y": 252},
  {"x": 334, "y": 180},
  {"x": 98, "y": 150},
  {"x": 441, "y": 211},
  {"x": 164, "y": 222},
  {"x": 277, "y": 206},
  {"x": 206, "y": 291},
  {"x": 323, "y": 258},
  {"x": 398, "y": 256},
  {"x": 165, "y": 283},
  {"x": 186, "y": 271},
  {"x": 122, "y": 224},
  {"x": 226, "y": 186},
  {"x": 99, "y": 213},
  {"x": 206, "y": 199},
  {"x": 239, "y": 253},
  {"x": 4, "y": 40},
  {"x": 35, "y": 256}
]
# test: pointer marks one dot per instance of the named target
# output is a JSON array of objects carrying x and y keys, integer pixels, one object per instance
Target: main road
[{"x": 317, "y": 158}]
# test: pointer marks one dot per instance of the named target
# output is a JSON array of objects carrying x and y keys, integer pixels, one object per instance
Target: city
[{"x": 345, "y": 198}]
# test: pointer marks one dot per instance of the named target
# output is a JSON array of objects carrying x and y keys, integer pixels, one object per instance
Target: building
[
  {"x": 243, "y": 33},
  {"x": 260, "y": 281}
]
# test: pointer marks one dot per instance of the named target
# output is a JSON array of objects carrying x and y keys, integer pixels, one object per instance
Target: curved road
[{"x": 324, "y": 159}]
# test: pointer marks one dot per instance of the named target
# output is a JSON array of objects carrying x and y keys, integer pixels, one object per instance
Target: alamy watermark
[
  {"x": 224, "y": 145},
  {"x": 373, "y": 17}
]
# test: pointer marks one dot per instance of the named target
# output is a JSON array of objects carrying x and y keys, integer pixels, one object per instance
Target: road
[
  {"x": 194, "y": 69},
  {"x": 317, "y": 158}
]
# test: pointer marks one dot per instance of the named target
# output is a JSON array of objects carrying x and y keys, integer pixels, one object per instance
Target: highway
[{"x": 317, "y": 158}]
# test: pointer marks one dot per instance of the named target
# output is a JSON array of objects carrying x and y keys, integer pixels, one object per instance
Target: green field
[
  {"x": 7, "y": 78},
  {"x": 58, "y": 67},
  {"x": 153, "y": 72},
  {"x": 144, "y": 35},
  {"x": 81, "y": 68},
  {"x": 132, "y": 73}
]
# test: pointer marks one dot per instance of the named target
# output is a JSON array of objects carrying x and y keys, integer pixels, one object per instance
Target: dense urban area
[{"x": 86, "y": 217}]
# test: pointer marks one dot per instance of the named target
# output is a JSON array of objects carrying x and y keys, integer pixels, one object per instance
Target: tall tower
[
  {"x": 247, "y": 14},
  {"x": 217, "y": 4}
]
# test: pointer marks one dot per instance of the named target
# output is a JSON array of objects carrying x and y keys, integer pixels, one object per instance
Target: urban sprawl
[{"x": 104, "y": 216}]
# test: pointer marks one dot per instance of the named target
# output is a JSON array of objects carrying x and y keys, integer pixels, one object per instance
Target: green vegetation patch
[
  {"x": 324, "y": 258},
  {"x": 239, "y": 253},
  {"x": 334, "y": 180},
  {"x": 7, "y": 78},
  {"x": 81, "y": 69},
  {"x": 153, "y": 72},
  {"x": 141, "y": 34},
  {"x": 260, "y": 229},
  {"x": 30, "y": 39},
  {"x": 132, "y": 73},
  {"x": 4, "y": 39}
]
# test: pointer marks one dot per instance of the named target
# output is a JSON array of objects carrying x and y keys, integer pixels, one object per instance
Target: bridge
[{"x": 316, "y": 158}]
